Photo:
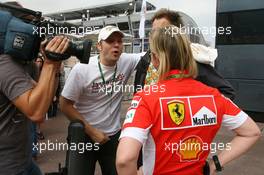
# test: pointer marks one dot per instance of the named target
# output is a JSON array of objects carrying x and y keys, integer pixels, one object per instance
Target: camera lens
[{"x": 80, "y": 49}]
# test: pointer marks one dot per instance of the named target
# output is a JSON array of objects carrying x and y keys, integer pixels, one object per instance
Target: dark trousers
[
  {"x": 106, "y": 156},
  {"x": 52, "y": 112}
]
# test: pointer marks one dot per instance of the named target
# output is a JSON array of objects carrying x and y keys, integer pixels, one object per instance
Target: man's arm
[
  {"x": 208, "y": 75},
  {"x": 72, "y": 114},
  {"x": 35, "y": 102},
  {"x": 141, "y": 71}
]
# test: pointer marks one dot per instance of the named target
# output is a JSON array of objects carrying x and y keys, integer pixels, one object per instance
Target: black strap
[
  {"x": 56, "y": 56},
  {"x": 217, "y": 163}
]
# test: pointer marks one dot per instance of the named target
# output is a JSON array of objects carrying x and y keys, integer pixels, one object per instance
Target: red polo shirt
[{"x": 176, "y": 121}]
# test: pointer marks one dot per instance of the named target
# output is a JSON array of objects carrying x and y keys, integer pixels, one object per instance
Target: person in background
[
  {"x": 92, "y": 94},
  {"x": 204, "y": 57}
]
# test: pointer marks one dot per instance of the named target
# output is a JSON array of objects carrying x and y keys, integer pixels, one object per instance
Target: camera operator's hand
[{"x": 57, "y": 45}]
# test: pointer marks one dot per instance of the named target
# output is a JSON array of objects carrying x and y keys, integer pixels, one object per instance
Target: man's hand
[
  {"x": 97, "y": 136},
  {"x": 67, "y": 108},
  {"x": 58, "y": 44}
]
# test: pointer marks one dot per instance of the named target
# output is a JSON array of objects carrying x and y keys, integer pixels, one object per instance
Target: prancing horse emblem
[{"x": 176, "y": 111}]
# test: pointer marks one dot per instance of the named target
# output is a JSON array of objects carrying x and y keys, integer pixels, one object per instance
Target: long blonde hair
[{"x": 173, "y": 50}]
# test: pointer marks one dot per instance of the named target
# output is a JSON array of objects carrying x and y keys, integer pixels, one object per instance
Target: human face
[
  {"x": 111, "y": 49},
  {"x": 160, "y": 23}
]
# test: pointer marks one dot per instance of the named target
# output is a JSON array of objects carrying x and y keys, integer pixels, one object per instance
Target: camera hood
[{"x": 21, "y": 12}]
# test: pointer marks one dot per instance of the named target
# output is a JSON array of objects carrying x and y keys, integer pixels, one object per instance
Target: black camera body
[
  {"x": 17, "y": 38},
  {"x": 20, "y": 39}
]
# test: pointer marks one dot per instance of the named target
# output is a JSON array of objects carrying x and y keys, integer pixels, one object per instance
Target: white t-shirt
[{"x": 86, "y": 88}]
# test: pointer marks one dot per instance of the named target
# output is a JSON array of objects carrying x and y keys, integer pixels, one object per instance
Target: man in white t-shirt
[{"x": 93, "y": 94}]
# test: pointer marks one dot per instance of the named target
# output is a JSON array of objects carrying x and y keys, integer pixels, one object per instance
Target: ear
[{"x": 99, "y": 46}]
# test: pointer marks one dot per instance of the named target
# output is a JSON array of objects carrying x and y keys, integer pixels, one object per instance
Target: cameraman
[{"x": 22, "y": 100}]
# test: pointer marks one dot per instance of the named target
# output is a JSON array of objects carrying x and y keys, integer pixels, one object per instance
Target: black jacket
[{"x": 206, "y": 74}]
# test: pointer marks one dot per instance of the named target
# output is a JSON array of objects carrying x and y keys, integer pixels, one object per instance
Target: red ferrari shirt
[{"x": 176, "y": 121}]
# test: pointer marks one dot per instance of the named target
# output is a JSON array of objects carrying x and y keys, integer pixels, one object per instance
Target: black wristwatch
[{"x": 217, "y": 163}]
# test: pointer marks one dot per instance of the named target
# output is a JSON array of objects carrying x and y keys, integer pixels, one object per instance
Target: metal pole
[{"x": 142, "y": 44}]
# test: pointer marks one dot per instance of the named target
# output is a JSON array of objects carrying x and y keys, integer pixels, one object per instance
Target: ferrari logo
[{"x": 176, "y": 111}]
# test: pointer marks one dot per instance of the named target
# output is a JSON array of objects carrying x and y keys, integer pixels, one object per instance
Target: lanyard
[
  {"x": 177, "y": 76},
  {"x": 174, "y": 76},
  {"x": 102, "y": 76}
]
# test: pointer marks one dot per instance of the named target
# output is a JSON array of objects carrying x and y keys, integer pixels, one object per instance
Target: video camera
[{"x": 19, "y": 35}]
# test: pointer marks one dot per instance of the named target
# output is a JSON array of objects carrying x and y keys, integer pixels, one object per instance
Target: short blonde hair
[{"x": 174, "y": 52}]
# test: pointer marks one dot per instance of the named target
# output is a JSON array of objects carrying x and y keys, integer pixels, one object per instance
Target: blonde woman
[{"x": 177, "y": 125}]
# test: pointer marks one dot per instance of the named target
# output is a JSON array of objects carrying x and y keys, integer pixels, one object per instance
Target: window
[
  {"x": 135, "y": 24},
  {"x": 123, "y": 26},
  {"x": 247, "y": 27}
]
